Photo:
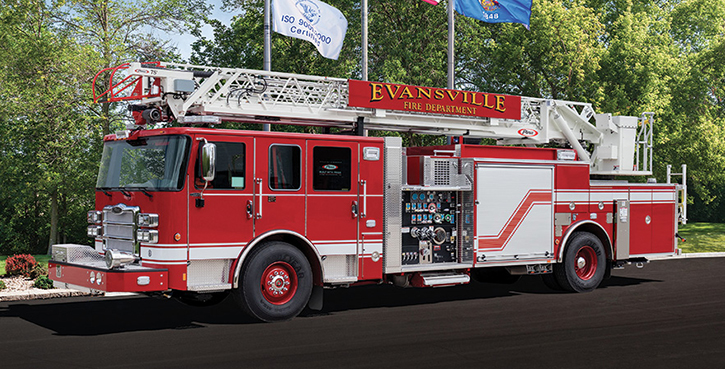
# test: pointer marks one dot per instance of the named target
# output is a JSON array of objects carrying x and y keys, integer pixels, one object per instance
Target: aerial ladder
[{"x": 193, "y": 94}]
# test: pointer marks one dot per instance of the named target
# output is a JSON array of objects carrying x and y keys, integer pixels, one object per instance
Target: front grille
[
  {"x": 119, "y": 228},
  {"x": 125, "y": 232}
]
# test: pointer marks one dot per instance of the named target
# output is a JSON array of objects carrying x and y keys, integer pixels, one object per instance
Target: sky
[{"x": 183, "y": 42}]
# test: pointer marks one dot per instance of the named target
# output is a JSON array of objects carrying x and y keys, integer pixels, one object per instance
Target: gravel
[{"x": 21, "y": 288}]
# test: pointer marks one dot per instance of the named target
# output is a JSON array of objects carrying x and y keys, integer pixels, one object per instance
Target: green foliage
[
  {"x": 50, "y": 132},
  {"x": 43, "y": 282},
  {"x": 2, "y": 285}
]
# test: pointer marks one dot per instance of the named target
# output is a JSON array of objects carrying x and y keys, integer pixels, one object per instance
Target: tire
[
  {"x": 551, "y": 282},
  {"x": 201, "y": 299},
  {"x": 584, "y": 265},
  {"x": 276, "y": 282}
]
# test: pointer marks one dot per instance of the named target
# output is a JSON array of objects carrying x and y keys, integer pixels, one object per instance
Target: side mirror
[{"x": 208, "y": 160}]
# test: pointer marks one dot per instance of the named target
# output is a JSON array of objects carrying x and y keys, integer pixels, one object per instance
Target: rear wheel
[
  {"x": 584, "y": 265},
  {"x": 551, "y": 282},
  {"x": 276, "y": 282}
]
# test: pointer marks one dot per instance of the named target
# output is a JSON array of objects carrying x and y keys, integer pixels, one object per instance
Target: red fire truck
[{"x": 273, "y": 218}]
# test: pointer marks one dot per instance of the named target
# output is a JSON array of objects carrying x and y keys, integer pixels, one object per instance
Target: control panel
[{"x": 429, "y": 231}]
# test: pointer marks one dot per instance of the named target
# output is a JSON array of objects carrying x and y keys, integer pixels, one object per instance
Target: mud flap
[{"x": 315, "y": 302}]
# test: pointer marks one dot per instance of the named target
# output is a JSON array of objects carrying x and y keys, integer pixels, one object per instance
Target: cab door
[
  {"x": 279, "y": 186},
  {"x": 334, "y": 208},
  {"x": 219, "y": 222}
]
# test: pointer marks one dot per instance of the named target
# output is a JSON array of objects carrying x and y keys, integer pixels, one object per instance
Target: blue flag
[{"x": 496, "y": 11}]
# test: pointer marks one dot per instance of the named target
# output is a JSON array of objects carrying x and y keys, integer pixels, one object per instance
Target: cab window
[
  {"x": 230, "y": 167},
  {"x": 331, "y": 168},
  {"x": 285, "y": 167}
]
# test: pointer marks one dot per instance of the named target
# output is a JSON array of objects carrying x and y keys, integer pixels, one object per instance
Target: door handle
[
  {"x": 250, "y": 209},
  {"x": 354, "y": 209},
  {"x": 259, "y": 212},
  {"x": 364, "y": 185}
]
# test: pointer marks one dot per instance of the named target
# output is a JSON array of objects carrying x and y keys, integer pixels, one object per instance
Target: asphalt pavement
[{"x": 671, "y": 314}]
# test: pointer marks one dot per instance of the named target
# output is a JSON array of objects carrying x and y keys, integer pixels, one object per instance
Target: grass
[
  {"x": 702, "y": 237},
  {"x": 42, "y": 259}
]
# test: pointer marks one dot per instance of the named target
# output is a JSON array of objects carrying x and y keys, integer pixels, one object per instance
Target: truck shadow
[{"x": 103, "y": 315}]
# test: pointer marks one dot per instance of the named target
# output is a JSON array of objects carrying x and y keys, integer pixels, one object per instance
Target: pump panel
[{"x": 429, "y": 232}]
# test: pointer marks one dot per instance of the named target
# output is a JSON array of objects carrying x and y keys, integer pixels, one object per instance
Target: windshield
[{"x": 150, "y": 163}]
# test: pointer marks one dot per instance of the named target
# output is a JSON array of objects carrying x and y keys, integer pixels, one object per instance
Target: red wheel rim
[
  {"x": 279, "y": 283},
  {"x": 585, "y": 263}
]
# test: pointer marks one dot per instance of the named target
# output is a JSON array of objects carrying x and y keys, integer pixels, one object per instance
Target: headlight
[
  {"x": 94, "y": 231},
  {"x": 147, "y": 235},
  {"x": 95, "y": 217},
  {"x": 115, "y": 258},
  {"x": 148, "y": 220}
]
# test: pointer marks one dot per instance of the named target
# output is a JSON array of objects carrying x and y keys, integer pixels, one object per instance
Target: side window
[
  {"x": 331, "y": 168},
  {"x": 285, "y": 167},
  {"x": 230, "y": 167}
]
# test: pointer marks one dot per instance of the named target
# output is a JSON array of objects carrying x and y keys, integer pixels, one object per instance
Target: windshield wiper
[
  {"x": 103, "y": 189},
  {"x": 143, "y": 190}
]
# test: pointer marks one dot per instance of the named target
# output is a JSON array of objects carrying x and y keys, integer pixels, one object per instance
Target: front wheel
[
  {"x": 276, "y": 282},
  {"x": 584, "y": 265}
]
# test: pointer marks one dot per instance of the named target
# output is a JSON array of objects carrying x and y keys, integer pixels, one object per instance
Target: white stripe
[
  {"x": 183, "y": 245},
  {"x": 214, "y": 253},
  {"x": 572, "y": 196},
  {"x": 663, "y": 196},
  {"x": 228, "y": 194},
  {"x": 163, "y": 262},
  {"x": 372, "y": 247},
  {"x": 163, "y": 253},
  {"x": 338, "y": 249},
  {"x": 636, "y": 196},
  {"x": 595, "y": 197}
]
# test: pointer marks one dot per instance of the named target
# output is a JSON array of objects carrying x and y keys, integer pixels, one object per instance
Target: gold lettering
[
  {"x": 465, "y": 97},
  {"x": 423, "y": 92},
  {"x": 451, "y": 96},
  {"x": 392, "y": 93},
  {"x": 439, "y": 95},
  {"x": 376, "y": 92},
  {"x": 500, "y": 101},
  {"x": 406, "y": 92},
  {"x": 473, "y": 102},
  {"x": 485, "y": 104}
]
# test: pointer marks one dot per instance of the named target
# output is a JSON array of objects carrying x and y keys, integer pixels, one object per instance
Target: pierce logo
[
  {"x": 528, "y": 132},
  {"x": 330, "y": 166}
]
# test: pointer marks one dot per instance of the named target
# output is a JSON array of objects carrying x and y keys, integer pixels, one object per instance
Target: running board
[{"x": 439, "y": 279}]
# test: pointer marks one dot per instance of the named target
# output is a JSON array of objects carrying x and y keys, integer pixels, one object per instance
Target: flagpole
[
  {"x": 364, "y": 21},
  {"x": 267, "y": 61},
  {"x": 451, "y": 56}
]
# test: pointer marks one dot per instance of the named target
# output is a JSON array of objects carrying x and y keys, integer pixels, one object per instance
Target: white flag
[{"x": 311, "y": 20}]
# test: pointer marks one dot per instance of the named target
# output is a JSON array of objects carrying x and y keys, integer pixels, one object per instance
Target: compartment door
[{"x": 514, "y": 213}]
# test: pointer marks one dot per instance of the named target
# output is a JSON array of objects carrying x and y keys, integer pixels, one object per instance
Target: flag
[
  {"x": 311, "y": 20},
  {"x": 496, "y": 11},
  {"x": 434, "y": 2}
]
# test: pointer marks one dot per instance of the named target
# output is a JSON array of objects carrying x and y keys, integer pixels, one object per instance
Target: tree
[
  {"x": 46, "y": 139},
  {"x": 123, "y": 30}
]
